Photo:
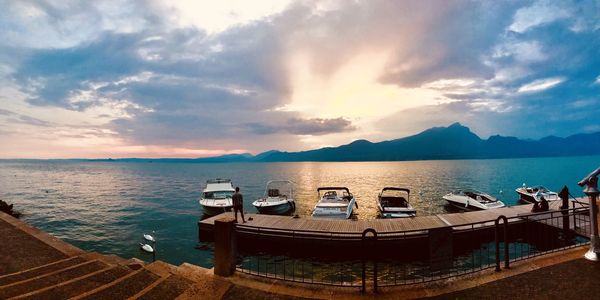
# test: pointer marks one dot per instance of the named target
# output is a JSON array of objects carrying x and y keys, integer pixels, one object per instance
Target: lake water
[{"x": 107, "y": 206}]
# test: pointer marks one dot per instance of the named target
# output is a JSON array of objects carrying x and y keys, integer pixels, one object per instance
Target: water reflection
[{"x": 107, "y": 206}]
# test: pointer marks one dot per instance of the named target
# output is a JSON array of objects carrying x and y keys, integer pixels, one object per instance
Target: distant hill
[{"x": 453, "y": 142}]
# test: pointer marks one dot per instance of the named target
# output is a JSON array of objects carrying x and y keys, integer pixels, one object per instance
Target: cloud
[
  {"x": 403, "y": 30},
  {"x": 13, "y": 117},
  {"x": 299, "y": 126},
  {"x": 539, "y": 13},
  {"x": 541, "y": 84},
  {"x": 65, "y": 24},
  {"x": 147, "y": 76}
]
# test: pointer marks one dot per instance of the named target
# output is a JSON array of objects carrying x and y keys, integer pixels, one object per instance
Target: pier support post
[
  {"x": 564, "y": 196},
  {"x": 497, "y": 239},
  {"x": 225, "y": 247},
  {"x": 440, "y": 248}
]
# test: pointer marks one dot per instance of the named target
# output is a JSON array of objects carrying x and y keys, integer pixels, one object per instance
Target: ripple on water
[{"x": 106, "y": 207}]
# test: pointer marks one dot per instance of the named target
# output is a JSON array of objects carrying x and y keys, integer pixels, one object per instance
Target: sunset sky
[{"x": 95, "y": 79}]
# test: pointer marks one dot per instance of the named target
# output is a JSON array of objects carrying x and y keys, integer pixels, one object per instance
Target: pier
[{"x": 306, "y": 228}]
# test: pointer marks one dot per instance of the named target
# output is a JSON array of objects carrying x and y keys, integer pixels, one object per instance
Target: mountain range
[{"x": 453, "y": 142}]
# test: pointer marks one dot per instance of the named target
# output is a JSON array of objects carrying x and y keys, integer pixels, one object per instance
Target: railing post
[
  {"x": 574, "y": 217},
  {"x": 506, "y": 254},
  {"x": 364, "y": 260},
  {"x": 564, "y": 196},
  {"x": 497, "y": 239}
]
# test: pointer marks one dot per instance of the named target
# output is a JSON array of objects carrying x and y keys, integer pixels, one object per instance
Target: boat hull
[
  {"x": 526, "y": 198},
  {"x": 394, "y": 215},
  {"x": 213, "y": 211},
  {"x": 391, "y": 212},
  {"x": 215, "y": 208},
  {"x": 462, "y": 206},
  {"x": 334, "y": 213},
  {"x": 279, "y": 209},
  {"x": 398, "y": 214}
]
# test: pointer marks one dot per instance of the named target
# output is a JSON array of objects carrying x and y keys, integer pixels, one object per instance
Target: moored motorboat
[
  {"x": 472, "y": 200},
  {"x": 278, "y": 198},
  {"x": 393, "y": 202},
  {"x": 533, "y": 194},
  {"x": 216, "y": 196},
  {"x": 334, "y": 202}
]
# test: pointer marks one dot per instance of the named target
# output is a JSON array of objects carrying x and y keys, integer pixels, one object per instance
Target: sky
[{"x": 97, "y": 79}]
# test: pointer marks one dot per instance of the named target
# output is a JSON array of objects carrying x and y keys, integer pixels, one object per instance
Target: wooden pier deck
[{"x": 274, "y": 225}]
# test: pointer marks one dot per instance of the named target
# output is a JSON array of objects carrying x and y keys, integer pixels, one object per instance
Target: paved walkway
[{"x": 576, "y": 279}]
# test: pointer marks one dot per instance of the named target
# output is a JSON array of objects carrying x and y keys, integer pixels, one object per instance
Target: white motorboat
[
  {"x": 471, "y": 200},
  {"x": 393, "y": 203},
  {"x": 216, "y": 197},
  {"x": 278, "y": 199},
  {"x": 533, "y": 194},
  {"x": 334, "y": 202}
]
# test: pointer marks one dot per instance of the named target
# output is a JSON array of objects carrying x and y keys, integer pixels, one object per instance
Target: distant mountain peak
[
  {"x": 455, "y": 141},
  {"x": 360, "y": 142}
]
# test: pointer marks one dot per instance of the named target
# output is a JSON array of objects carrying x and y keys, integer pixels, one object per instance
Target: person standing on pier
[
  {"x": 238, "y": 204},
  {"x": 544, "y": 204}
]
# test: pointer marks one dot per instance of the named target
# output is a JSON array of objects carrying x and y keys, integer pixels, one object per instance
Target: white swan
[
  {"x": 147, "y": 248},
  {"x": 149, "y": 238}
]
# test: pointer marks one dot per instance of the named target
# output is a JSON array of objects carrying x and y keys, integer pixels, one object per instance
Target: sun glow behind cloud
[
  {"x": 217, "y": 16},
  {"x": 353, "y": 91}
]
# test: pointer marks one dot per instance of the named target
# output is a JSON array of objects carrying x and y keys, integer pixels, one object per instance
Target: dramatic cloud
[
  {"x": 315, "y": 126},
  {"x": 191, "y": 78},
  {"x": 541, "y": 84}
]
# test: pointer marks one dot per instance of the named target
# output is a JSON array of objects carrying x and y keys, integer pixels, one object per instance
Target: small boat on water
[
  {"x": 335, "y": 203},
  {"x": 472, "y": 200},
  {"x": 534, "y": 193},
  {"x": 393, "y": 203},
  {"x": 216, "y": 196},
  {"x": 278, "y": 199}
]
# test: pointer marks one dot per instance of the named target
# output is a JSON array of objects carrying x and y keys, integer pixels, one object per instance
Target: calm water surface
[{"x": 107, "y": 206}]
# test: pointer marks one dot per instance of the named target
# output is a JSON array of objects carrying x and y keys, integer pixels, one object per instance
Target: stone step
[
  {"x": 170, "y": 288},
  {"x": 148, "y": 288},
  {"x": 79, "y": 285},
  {"x": 162, "y": 269},
  {"x": 50, "y": 279},
  {"x": 123, "y": 288},
  {"x": 41, "y": 270}
]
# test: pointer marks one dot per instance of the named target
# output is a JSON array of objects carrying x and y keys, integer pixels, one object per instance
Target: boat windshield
[
  {"x": 279, "y": 189},
  {"x": 218, "y": 194},
  {"x": 335, "y": 195},
  {"x": 479, "y": 196},
  {"x": 537, "y": 189},
  {"x": 394, "y": 197},
  {"x": 394, "y": 193},
  {"x": 390, "y": 201}
]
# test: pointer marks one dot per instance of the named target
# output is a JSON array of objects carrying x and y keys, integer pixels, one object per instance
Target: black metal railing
[
  {"x": 475, "y": 247},
  {"x": 549, "y": 232},
  {"x": 304, "y": 270}
]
